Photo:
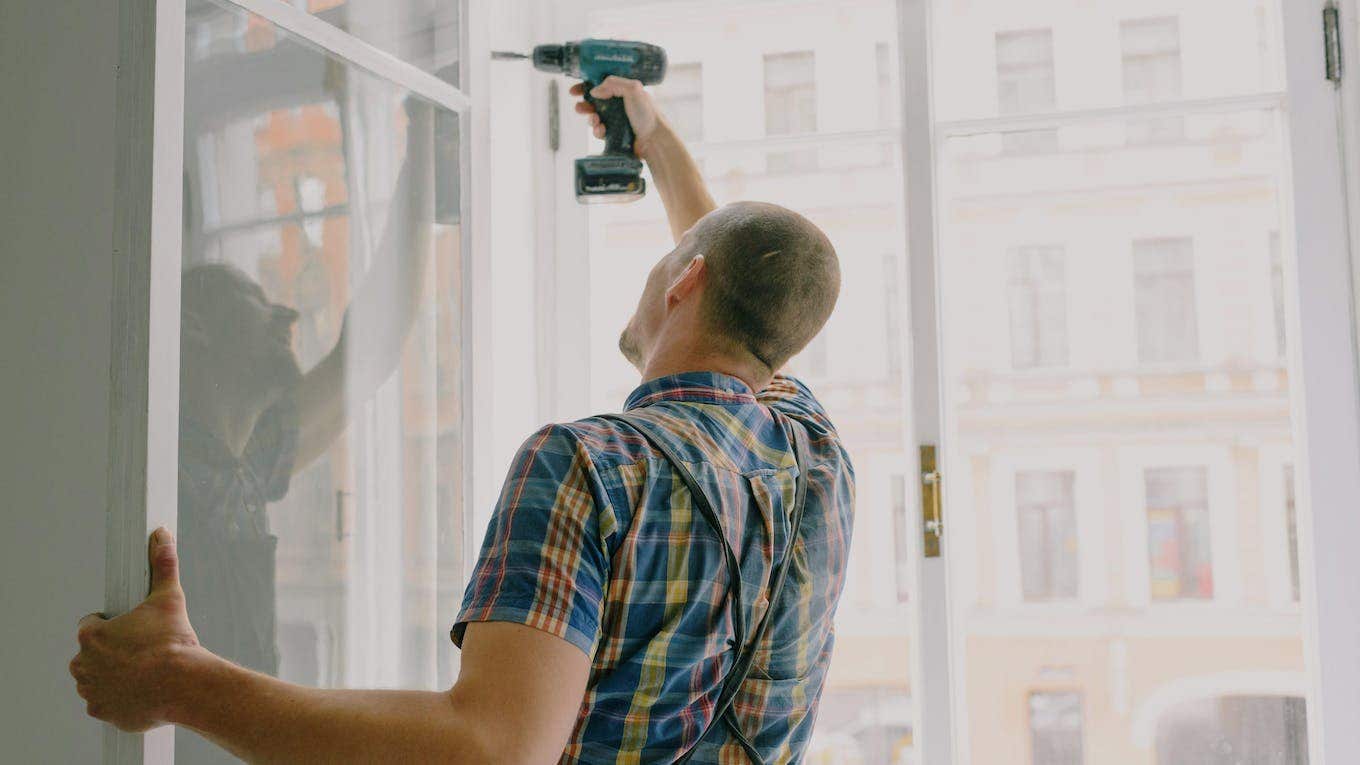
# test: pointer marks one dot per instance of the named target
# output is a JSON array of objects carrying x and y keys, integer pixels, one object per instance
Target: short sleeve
[
  {"x": 273, "y": 447},
  {"x": 544, "y": 562}
]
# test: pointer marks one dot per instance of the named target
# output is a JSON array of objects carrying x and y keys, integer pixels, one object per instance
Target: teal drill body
[{"x": 615, "y": 175}]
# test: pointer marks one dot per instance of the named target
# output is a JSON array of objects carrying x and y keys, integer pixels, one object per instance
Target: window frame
[{"x": 147, "y": 233}]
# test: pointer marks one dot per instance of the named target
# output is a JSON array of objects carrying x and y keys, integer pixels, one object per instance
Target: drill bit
[{"x": 507, "y": 55}]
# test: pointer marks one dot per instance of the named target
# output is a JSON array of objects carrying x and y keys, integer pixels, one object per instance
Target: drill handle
[{"x": 618, "y": 131}]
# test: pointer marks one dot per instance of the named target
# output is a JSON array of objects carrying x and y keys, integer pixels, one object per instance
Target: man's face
[
  {"x": 639, "y": 337},
  {"x": 250, "y": 337}
]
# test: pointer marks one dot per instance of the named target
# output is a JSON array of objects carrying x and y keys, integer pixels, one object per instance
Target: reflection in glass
[
  {"x": 421, "y": 32},
  {"x": 319, "y": 507}
]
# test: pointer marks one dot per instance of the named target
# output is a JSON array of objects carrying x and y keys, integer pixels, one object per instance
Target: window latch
[
  {"x": 932, "y": 506},
  {"x": 1331, "y": 41}
]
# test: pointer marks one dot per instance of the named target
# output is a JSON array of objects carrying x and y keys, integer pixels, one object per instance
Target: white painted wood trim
[
  {"x": 936, "y": 697},
  {"x": 570, "y": 311},
  {"x": 1326, "y": 397},
  {"x": 481, "y": 487},
  {"x": 341, "y": 44},
  {"x": 144, "y": 358}
]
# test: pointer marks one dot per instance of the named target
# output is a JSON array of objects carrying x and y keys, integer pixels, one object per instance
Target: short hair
[
  {"x": 206, "y": 287},
  {"x": 773, "y": 278}
]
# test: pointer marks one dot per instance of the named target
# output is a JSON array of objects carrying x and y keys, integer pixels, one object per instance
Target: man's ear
[{"x": 689, "y": 279}]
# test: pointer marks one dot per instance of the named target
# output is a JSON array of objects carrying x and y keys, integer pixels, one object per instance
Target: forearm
[
  {"x": 678, "y": 180},
  {"x": 383, "y": 310},
  {"x": 264, "y": 720}
]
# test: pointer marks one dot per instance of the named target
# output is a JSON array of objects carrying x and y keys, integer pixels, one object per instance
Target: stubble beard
[{"x": 628, "y": 346}]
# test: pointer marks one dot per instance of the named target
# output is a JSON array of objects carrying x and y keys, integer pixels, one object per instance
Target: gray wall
[{"x": 56, "y": 193}]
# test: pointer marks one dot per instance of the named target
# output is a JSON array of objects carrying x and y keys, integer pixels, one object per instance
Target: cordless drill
[{"x": 615, "y": 175}]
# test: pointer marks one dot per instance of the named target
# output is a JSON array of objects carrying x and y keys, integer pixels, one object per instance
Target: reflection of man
[
  {"x": 250, "y": 417},
  {"x": 596, "y": 626}
]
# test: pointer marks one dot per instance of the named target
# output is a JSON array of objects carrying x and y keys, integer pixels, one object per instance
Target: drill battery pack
[{"x": 609, "y": 178}]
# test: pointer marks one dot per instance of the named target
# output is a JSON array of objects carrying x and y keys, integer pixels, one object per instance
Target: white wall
[{"x": 56, "y": 215}]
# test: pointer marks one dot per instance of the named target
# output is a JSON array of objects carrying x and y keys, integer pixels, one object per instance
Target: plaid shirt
[{"x": 594, "y": 540}]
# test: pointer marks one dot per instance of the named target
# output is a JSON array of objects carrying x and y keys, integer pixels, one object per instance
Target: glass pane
[
  {"x": 1117, "y": 409},
  {"x": 420, "y": 31},
  {"x": 768, "y": 85},
  {"x": 320, "y": 509},
  {"x": 1006, "y": 58}
]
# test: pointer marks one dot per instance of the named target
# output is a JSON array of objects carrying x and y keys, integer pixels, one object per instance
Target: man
[{"x": 596, "y": 626}]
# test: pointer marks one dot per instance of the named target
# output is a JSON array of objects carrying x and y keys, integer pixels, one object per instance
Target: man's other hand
[
  {"x": 124, "y": 670},
  {"x": 637, "y": 104}
]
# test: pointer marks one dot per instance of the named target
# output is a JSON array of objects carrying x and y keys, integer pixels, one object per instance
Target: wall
[{"x": 56, "y": 214}]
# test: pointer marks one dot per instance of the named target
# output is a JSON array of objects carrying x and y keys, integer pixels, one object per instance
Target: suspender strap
[{"x": 746, "y": 650}]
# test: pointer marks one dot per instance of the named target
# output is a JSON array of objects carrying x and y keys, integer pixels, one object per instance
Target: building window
[
  {"x": 1055, "y": 728},
  {"x": 885, "y": 69},
  {"x": 1291, "y": 519},
  {"x": 1233, "y": 729},
  {"x": 1179, "y": 536},
  {"x": 1025, "y": 84},
  {"x": 892, "y": 315},
  {"x": 1164, "y": 298},
  {"x": 791, "y": 107},
  {"x": 1152, "y": 74},
  {"x": 1277, "y": 291},
  {"x": 901, "y": 530},
  {"x": 681, "y": 98},
  {"x": 1047, "y": 528},
  {"x": 1037, "y": 291}
]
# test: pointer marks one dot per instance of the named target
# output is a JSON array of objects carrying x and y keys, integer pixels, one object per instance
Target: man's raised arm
[
  {"x": 673, "y": 169},
  {"x": 381, "y": 314}
]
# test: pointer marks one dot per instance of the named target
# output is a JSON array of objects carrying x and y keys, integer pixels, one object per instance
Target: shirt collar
[
  {"x": 201, "y": 444},
  {"x": 702, "y": 387}
]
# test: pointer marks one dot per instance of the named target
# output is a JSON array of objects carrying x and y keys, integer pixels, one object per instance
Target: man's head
[
  {"x": 233, "y": 333},
  {"x": 750, "y": 280}
]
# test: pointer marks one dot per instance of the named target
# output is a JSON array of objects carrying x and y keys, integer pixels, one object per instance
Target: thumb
[{"x": 164, "y": 562}]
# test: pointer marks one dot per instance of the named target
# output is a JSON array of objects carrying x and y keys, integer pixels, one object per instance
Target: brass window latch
[{"x": 932, "y": 512}]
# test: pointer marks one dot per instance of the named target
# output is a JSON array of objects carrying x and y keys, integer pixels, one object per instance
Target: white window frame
[{"x": 147, "y": 234}]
